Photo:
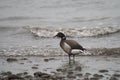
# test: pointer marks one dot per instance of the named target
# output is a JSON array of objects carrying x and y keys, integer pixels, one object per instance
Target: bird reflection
[{"x": 70, "y": 71}]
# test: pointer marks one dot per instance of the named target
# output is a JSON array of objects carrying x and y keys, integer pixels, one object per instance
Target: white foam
[
  {"x": 73, "y": 32},
  {"x": 31, "y": 51}
]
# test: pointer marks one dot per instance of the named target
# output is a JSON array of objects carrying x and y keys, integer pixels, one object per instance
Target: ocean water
[{"x": 27, "y": 27}]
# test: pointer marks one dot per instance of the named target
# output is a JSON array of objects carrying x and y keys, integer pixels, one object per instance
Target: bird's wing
[{"x": 74, "y": 45}]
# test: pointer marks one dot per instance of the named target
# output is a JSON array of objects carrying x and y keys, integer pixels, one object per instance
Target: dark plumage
[
  {"x": 74, "y": 45},
  {"x": 71, "y": 47}
]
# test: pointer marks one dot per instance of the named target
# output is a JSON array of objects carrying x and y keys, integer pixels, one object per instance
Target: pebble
[
  {"x": 113, "y": 78},
  {"x": 13, "y": 77},
  {"x": 39, "y": 74},
  {"x": 46, "y": 60},
  {"x": 79, "y": 74},
  {"x": 6, "y": 73},
  {"x": 70, "y": 72},
  {"x": 59, "y": 70},
  {"x": 78, "y": 68},
  {"x": 23, "y": 59},
  {"x": 43, "y": 76},
  {"x": 94, "y": 78},
  {"x": 11, "y": 59},
  {"x": 98, "y": 76},
  {"x": 103, "y": 71},
  {"x": 87, "y": 74},
  {"x": 86, "y": 79},
  {"x": 28, "y": 77},
  {"x": 21, "y": 63},
  {"x": 116, "y": 75},
  {"x": 34, "y": 67},
  {"x": 71, "y": 76}
]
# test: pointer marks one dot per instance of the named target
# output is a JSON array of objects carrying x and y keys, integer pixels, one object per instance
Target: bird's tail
[
  {"x": 84, "y": 49},
  {"x": 86, "y": 52}
]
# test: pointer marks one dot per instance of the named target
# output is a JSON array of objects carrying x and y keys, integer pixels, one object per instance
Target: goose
[{"x": 71, "y": 47}]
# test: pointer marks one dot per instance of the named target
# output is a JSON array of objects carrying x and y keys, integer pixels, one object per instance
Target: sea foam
[{"x": 73, "y": 32}]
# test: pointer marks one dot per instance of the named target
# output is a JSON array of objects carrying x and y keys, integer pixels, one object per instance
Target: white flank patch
[{"x": 76, "y": 51}]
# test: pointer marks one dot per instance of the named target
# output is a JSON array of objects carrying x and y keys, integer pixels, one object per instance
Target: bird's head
[{"x": 60, "y": 35}]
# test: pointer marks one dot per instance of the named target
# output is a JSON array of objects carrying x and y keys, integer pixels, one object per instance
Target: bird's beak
[{"x": 54, "y": 36}]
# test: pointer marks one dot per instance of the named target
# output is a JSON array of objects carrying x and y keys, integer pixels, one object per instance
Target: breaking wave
[
  {"x": 73, "y": 32},
  {"x": 31, "y": 51}
]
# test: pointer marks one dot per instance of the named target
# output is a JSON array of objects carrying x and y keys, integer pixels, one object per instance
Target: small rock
[
  {"x": 23, "y": 59},
  {"x": 45, "y": 76},
  {"x": 13, "y": 77},
  {"x": 6, "y": 73},
  {"x": 79, "y": 74},
  {"x": 25, "y": 73},
  {"x": 60, "y": 78},
  {"x": 59, "y": 70},
  {"x": 46, "y": 60},
  {"x": 70, "y": 72},
  {"x": 39, "y": 74},
  {"x": 78, "y": 68},
  {"x": 103, "y": 71},
  {"x": 22, "y": 74},
  {"x": 11, "y": 59},
  {"x": 86, "y": 79},
  {"x": 21, "y": 63},
  {"x": 19, "y": 74},
  {"x": 36, "y": 64},
  {"x": 28, "y": 77},
  {"x": 98, "y": 76},
  {"x": 94, "y": 78},
  {"x": 53, "y": 72},
  {"x": 34, "y": 67},
  {"x": 71, "y": 76},
  {"x": 87, "y": 74},
  {"x": 113, "y": 78},
  {"x": 116, "y": 75}
]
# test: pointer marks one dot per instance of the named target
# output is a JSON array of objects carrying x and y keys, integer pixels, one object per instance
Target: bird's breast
[{"x": 65, "y": 47}]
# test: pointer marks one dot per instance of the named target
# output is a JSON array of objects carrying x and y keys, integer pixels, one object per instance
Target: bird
[{"x": 71, "y": 47}]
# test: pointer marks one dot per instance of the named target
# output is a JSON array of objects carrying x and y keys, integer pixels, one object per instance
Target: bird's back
[{"x": 74, "y": 45}]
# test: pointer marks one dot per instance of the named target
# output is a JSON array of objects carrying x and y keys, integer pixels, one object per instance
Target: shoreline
[
  {"x": 91, "y": 67},
  {"x": 44, "y": 52}
]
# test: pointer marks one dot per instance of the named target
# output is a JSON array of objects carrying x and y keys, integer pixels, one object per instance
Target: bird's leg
[
  {"x": 69, "y": 58},
  {"x": 74, "y": 57}
]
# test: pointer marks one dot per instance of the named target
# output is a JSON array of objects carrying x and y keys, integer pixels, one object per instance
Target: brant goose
[{"x": 71, "y": 47}]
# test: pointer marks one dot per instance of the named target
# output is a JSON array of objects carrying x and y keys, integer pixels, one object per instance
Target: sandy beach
[{"x": 58, "y": 68}]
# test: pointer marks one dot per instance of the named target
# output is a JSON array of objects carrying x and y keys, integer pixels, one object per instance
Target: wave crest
[{"x": 73, "y": 32}]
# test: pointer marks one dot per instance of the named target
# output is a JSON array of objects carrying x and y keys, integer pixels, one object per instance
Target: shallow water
[
  {"x": 25, "y": 25},
  {"x": 109, "y": 63}
]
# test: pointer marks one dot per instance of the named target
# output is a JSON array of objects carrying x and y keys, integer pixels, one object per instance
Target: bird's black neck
[{"x": 63, "y": 38}]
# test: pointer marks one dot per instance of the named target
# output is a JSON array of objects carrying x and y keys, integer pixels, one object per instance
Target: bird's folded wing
[{"x": 74, "y": 45}]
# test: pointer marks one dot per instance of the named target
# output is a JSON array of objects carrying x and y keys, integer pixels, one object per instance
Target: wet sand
[{"x": 58, "y": 68}]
